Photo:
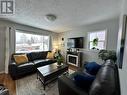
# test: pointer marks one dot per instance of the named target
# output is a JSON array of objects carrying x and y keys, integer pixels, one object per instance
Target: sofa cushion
[
  {"x": 50, "y": 55},
  {"x": 43, "y": 62},
  {"x": 26, "y": 64},
  {"x": 104, "y": 84},
  {"x": 37, "y": 55},
  {"x": 19, "y": 59},
  {"x": 83, "y": 81},
  {"x": 12, "y": 57},
  {"x": 29, "y": 56},
  {"x": 26, "y": 67},
  {"x": 92, "y": 68}
]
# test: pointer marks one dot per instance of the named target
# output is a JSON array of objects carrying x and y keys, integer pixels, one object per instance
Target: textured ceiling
[{"x": 70, "y": 13}]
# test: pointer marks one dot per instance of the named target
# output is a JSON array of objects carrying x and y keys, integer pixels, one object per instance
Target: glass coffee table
[{"x": 48, "y": 73}]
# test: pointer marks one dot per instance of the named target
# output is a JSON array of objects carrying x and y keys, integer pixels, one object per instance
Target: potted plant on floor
[
  {"x": 59, "y": 58},
  {"x": 107, "y": 54}
]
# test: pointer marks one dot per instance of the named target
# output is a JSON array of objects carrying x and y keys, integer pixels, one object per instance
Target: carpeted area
[{"x": 30, "y": 85}]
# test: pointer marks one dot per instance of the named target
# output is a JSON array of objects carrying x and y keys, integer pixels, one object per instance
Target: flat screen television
[{"x": 75, "y": 42}]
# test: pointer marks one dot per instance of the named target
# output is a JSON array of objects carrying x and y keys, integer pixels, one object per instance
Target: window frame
[
  {"x": 105, "y": 41},
  {"x": 30, "y": 32}
]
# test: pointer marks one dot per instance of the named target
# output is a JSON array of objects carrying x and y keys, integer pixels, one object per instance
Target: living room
[{"x": 45, "y": 44}]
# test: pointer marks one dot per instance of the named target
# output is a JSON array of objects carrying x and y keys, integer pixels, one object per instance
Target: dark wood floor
[
  {"x": 73, "y": 67},
  {"x": 9, "y": 83}
]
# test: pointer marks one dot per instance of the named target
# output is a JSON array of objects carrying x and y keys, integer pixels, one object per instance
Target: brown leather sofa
[
  {"x": 36, "y": 59},
  {"x": 105, "y": 83}
]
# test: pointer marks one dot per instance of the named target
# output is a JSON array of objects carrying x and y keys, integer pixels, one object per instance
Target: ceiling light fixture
[{"x": 50, "y": 17}]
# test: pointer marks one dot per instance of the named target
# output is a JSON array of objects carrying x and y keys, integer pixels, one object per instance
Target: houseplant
[
  {"x": 107, "y": 54},
  {"x": 95, "y": 43},
  {"x": 59, "y": 58}
]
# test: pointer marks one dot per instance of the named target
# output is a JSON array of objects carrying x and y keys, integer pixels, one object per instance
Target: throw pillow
[
  {"x": 92, "y": 68},
  {"x": 83, "y": 81},
  {"x": 50, "y": 55},
  {"x": 19, "y": 59}
]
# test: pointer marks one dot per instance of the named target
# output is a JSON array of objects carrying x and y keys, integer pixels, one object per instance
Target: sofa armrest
[
  {"x": 67, "y": 87},
  {"x": 12, "y": 65},
  {"x": 12, "y": 69}
]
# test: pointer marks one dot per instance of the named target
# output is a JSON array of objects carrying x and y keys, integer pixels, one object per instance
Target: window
[
  {"x": 97, "y": 40},
  {"x": 31, "y": 42}
]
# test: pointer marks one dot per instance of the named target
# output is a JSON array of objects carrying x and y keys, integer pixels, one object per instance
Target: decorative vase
[{"x": 58, "y": 64}]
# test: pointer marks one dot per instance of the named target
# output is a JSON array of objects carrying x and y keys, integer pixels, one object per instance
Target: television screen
[
  {"x": 75, "y": 42},
  {"x": 71, "y": 43}
]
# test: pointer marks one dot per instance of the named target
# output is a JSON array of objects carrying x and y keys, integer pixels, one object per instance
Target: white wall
[
  {"x": 14, "y": 26},
  {"x": 111, "y": 25}
]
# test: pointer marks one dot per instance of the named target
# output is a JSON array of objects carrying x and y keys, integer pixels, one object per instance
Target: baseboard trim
[{"x": 1, "y": 72}]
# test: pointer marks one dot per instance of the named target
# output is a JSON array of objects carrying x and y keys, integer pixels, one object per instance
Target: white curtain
[{"x": 7, "y": 49}]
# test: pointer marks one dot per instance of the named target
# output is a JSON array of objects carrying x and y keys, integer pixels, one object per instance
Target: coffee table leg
[
  {"x": 37, "y": 75},
  {"x": 44, "y": 87},
  {"x": 43, "y": 83}
]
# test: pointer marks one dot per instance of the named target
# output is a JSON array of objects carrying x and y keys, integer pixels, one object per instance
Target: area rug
[{"x": 30, "y": 85}]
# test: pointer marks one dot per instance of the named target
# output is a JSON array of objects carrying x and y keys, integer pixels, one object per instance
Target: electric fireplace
[{"x": 72, "y": 59}]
